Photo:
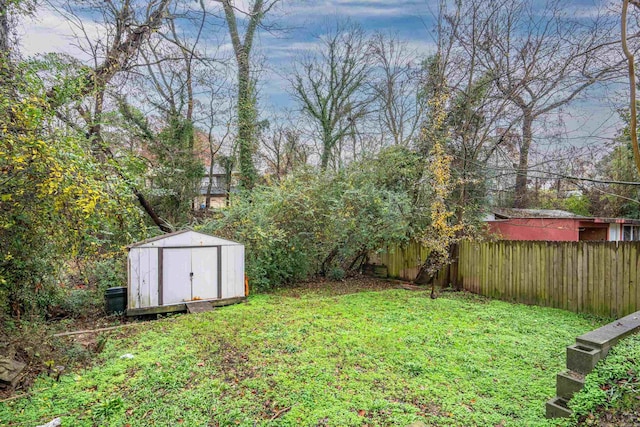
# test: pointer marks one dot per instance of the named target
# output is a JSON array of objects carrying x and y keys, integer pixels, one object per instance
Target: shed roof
[
  {"x": 507, "y": 213},
  {"x": 504, "y": 214},
  {"x": 183, "y": 238}
]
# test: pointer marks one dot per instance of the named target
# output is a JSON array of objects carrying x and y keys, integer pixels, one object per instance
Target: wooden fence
[
  {"x": 601, "y": 278},
  {"x": 403, "y": 262},
  {"x": 591, "y": 277}
]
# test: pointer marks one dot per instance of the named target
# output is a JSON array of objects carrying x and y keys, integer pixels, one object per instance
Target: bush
[
  {"x": 83, "y": 293},
  {"x": 316, "y": 223},
  {"x": 108, "y": 271},
  {"x": 57, "y": 201},
  {"x": 78, "y": 303},
  {"x": 337, "y": 273}
]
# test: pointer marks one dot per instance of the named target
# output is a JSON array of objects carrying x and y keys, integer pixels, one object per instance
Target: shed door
[
  {"x": 204, "y": 265},
  {"x": 176, "y": 279}
]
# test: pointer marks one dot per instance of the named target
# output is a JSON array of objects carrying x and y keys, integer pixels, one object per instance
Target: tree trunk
[
  {"x": 5, "y": 31},
  {"x": 326, "y": 149},
  {"x": 327, "y": 261},
  {"x": 228, "y": 174},
  {"x": 362, "y": 254},
  {"x": 246, "y": 119},
  {"x": 463, "y": 192},
  {"x": 95, "y": 127},
  {"x": 7, "y": 67},
  {"x": 210, "y": 184},
  {"x": 149, "y": 210},
  {"x": 520, "y": 199},
  {"x": 227, "y": 192}
]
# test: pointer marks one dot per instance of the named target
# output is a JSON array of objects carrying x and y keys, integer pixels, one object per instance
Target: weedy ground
[{"x": 321, "y": 357}]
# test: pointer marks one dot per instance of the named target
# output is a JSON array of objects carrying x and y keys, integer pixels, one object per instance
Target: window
[{"x": 631, "y": 233}]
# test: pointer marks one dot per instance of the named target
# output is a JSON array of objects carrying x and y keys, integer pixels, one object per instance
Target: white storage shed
[{"x": 168, "y": 271}]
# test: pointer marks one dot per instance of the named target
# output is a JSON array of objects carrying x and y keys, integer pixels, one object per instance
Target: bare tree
[
  {"x": 475, "y": 125},
  {"x": 540, "y": 58},
  {"x": 216, "y": 142},
  {"x": 246, "y": 103},
  {"x": 329, "y": 85},
  {"x": 128, "y": 26},
  {"x": 9, "y": 12},
  {"x": 396, "y": 85},
  {"x": 478, "y": 115},
  {"x": 282, "y": 149}
]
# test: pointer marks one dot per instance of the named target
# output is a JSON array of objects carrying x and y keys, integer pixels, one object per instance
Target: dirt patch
[
  {"x": 340, "y": 287},
  {"x": 233, "y": 363},
  {"x": 32, "y": 342},
  {"x": 627, "y": 418}
]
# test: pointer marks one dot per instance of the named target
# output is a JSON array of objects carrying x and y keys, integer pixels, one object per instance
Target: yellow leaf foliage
[{"x": 442, "y": 231}]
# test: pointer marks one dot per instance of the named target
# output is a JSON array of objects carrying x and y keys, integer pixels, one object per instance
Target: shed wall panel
[
  {"x": 232, "y": 271},
  {"x": 143, "y": 277},
  {"x": 226, "y": 275},
  {"x": 153, "y": 276},
  {"x": 134, "y": 278},
  {"x": 198, "y": 239},
  {"x": 144, "y": 299},
  {"x": 239, "y": 266}
]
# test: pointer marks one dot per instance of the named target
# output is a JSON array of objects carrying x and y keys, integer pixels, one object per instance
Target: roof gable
[{"x": 183, "y": 238}]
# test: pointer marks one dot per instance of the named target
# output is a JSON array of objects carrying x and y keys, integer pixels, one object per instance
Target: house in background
[
  {"x": 559, "y": 226},
  {"x": 220, "y": 189}
]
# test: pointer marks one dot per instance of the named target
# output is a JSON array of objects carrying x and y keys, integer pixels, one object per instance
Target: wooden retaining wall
[{"x": 601, "y": 278}]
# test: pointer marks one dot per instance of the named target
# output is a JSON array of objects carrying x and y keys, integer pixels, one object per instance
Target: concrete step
[
  {"x": 557, "y": 408},
  {"x": 582, "y": 358},
  {"x": 568, "y": 383},
  {"x": 199, "y": 306}
]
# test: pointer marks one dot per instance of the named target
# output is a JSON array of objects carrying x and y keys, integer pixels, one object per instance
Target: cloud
[
  {"x": 358, "y": 9},
  {"x": 50, "y": 32},
  {"x": 303, "y": 21}
]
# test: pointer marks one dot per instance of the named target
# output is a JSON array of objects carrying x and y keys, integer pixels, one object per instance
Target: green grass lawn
[{"x": 310, "y": 359}]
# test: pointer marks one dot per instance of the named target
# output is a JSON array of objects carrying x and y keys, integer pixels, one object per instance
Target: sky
[{"x": 301, "y": 22}]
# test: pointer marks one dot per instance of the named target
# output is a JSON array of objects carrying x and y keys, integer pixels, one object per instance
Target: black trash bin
[{"x": 116, "y": 299}]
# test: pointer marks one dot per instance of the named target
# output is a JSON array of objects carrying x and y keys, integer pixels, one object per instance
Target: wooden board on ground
[
  {"x": 199, "y": 306},
  {"x": 181, "y": 307}
]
